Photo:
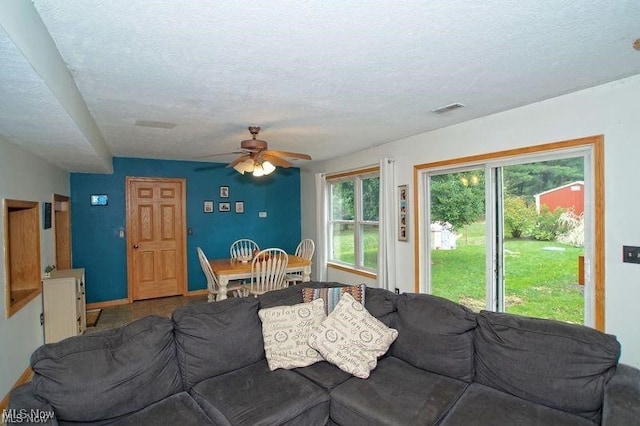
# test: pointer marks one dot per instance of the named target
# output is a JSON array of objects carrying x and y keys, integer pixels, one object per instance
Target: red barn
[{"x": 566, "y": 196}]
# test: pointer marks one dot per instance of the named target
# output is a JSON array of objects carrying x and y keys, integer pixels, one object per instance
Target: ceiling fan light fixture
[
  {"x": 258, "y": 171},
  {"x": 245, "y": 166},
  {"x": 268, "y": 167}
]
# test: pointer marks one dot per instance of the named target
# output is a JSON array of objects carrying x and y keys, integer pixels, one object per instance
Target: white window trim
[{"x": 358, "y": 222}]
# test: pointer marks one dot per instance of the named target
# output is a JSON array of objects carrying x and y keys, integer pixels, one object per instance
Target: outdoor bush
[
  {"x": 519, "y": 218},
  {"x": 573, "y": 228},
  {"x": 547, "y": 226}
]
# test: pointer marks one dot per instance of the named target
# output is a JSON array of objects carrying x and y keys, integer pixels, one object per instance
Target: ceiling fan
[{"x": 258, "y": 159}]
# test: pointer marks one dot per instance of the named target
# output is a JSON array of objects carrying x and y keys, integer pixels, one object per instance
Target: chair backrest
[
  {"x": 212, "y": 282},
  {"x": 243, "y": 248},
  {"x": 268, "y": 270},
  {"x": 306, "y": 248}
]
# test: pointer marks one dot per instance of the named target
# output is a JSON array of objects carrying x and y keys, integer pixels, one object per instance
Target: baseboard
[
  {"x": 24, "y": 378},
  {"x": 108, "y": 303},
  {"x": 204, "y": 292}
]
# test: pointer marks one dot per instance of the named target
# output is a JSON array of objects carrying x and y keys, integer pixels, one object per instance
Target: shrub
[
  {"x": 519, "y": 218},
  {"x": 548, "y": 227},
  {"x": 573, "y": 228}
]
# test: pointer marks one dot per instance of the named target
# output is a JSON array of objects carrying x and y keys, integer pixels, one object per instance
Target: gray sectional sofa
[{"x": 448, "y": 366}]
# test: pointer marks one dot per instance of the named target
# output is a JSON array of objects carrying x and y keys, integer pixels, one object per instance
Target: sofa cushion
[
  {"x": 560, "y": 365},
  {"x": 331, "y": 296},
  {"x": 179, "y": 409},
  {"x": 471, "y": 409},
  {"x": 396, "y": 393},
  {"x": 95, "y": 377},
  {"x": 285, "y": 331},
  {"x": 435, "y": 334},
  {"x": 352, "y": 338},
  {"x": 216, "y": 338},
  {"x": 254, "y": 395},
  {"x": 381, "y": 304},
  {"x": 324, "y": 374}
]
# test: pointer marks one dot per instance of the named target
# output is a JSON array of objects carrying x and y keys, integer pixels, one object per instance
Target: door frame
[
  {"x": 129, "y": 211},
  {"x": 594, "y": 267},
  {"x": 62, "y": 203}
]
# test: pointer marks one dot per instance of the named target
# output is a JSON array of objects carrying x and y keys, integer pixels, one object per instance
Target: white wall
[
  {"x": 610, "y": 109},
  {"x": 24, "y": 176}
]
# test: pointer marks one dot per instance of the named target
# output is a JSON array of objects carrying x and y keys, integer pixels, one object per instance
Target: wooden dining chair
[
  {"x": 212, "y": 282},
  {"x": 243, "y": 249},
  {"x": 305, "y": 250},
  {"x": 268, "y": 270}
]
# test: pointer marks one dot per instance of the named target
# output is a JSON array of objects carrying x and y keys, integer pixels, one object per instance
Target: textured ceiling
[{"x": 321, "y": 77}]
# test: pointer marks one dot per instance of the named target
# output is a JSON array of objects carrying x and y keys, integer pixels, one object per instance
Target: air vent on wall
[
  {"x": 447, "y": 108},
  {"x": 155, "y": 124}
]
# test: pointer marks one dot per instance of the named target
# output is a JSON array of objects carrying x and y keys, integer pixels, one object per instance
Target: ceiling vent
[
  {"x": 155, "y": 124},
  {"x": 447, "y": 108}
]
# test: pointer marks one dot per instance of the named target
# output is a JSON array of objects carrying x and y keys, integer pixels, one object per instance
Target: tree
[
  {"x": 457, "y": 198},
  {"x": 527, "y": 180}
]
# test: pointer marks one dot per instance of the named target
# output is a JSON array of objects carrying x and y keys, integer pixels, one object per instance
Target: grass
[
  {"x": 539, "y": 282},
  {"x": 343, "y": 242}
]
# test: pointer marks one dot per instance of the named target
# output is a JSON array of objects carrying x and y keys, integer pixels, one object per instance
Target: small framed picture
[
  {"x": 239, "y": 206},
  {"x": 403, "y": 211},
  {"x": 99, "y": 200},
  {"x": 47, "y": 215},
  {"x": 224, "y": 207},
  {"x": 207, "y": 206},
  {"x": 224, "y": 192}
]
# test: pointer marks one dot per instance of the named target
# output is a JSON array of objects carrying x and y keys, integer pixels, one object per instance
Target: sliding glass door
[{"x": 508, "y": 235}]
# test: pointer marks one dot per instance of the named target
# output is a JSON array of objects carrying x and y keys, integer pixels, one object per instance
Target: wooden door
[
  {"x": 156, "y": 233},
  {"x": 62, "y": 223}
]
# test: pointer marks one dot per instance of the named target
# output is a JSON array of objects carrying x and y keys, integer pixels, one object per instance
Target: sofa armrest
[
  {"x": 25, "y": 408},
  {"x": 621, "y": 396}
]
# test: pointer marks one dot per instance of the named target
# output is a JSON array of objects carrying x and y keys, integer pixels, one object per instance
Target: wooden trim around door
[{"x": 597, "y": 144}]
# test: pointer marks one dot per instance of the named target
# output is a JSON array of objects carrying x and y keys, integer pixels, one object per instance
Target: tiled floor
[{"x": 117, "y": 316}]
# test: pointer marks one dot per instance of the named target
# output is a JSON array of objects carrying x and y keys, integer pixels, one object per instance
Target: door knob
[{"x": 135, "y": 246}]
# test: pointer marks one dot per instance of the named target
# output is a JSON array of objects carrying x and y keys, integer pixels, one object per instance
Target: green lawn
[
  {"x": 539, "y": 282},
  {"x": 344, "y": 246}
]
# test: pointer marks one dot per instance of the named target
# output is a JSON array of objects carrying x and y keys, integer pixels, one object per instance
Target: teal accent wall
[{"x": 97, "y": 246}]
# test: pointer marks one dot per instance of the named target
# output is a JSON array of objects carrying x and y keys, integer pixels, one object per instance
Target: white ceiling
[{"x": 325, "y": 78}]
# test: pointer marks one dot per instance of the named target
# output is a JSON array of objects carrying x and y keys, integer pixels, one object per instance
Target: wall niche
[{"x": 22, "y": 253}]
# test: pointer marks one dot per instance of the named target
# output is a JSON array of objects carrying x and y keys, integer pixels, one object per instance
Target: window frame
[
  {"x": 358, "y": 222},
  {"x": 592, "y": 148}
]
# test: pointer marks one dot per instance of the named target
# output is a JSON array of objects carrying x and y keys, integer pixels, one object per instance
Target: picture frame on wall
[
  {"x": 224, "y": 207},
  {"x": 224, "y": 192},
  {"x": 207, "y": 206},
  {"x": 46, "y": 207},
  {"x": 99, "y": 199},
  {"x": 239, "y": 206},
  {"x": 403, "y": 213}
]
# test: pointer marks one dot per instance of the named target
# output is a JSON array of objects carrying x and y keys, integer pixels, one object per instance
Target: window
[
  {"x": 490, "y": 241},
  {"x": 353, "y": 221}
]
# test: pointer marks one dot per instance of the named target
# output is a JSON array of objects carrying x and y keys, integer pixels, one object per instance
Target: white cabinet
[{"x": 64, "y": 308}]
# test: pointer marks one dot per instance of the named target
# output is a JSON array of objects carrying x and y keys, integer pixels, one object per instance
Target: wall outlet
[
  {"x": 262, "y": 214},
  {"x": 631, "y": 254}
]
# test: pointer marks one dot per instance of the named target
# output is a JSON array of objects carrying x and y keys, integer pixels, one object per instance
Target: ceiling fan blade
[
  {"x": 239, "y": 160},
  {"x": 275, "y": 160},
  {"x": 219, "y": 155},
  {"x": 290, "y": 154}
]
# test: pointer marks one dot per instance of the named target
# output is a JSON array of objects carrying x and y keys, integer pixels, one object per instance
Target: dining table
[{"x": 229, "y": 269}]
